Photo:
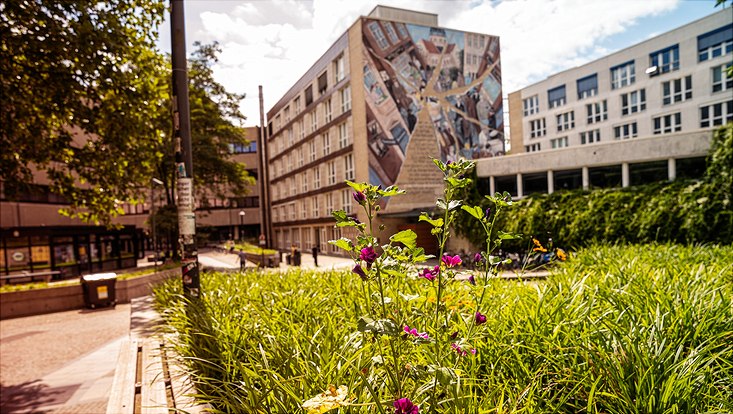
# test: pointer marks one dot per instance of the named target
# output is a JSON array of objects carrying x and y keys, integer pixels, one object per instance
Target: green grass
[{"x": 634, "y": 329}]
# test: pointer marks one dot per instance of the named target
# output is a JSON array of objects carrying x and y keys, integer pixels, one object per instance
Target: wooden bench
[
  {"x": 29, "y": 276},
  {"x": 150, "y": 379}
]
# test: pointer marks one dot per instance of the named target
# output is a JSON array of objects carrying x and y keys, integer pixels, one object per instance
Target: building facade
[
  {"x": 644, "y": 113},
  {"x": 394, "y": 91}
]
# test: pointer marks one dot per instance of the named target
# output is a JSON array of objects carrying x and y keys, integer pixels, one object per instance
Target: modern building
[
  {"x": 34, "y": 237},
  {"x": 394, "y": 91},
  {"x": 644, "y": 113}
]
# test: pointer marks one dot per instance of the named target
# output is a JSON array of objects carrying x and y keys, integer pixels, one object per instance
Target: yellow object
[{"x": 328, "y": 400}]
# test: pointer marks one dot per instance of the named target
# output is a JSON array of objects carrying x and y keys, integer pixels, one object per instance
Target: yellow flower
[
  {"x": 536, "y": 242},
  {"x": 328, "y": 400},
  {"x": 561, "y": 254},
  {"x": 539, "y": 249}
]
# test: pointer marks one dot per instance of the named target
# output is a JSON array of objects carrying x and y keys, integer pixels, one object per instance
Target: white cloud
[{"x": 273, "y": 43}]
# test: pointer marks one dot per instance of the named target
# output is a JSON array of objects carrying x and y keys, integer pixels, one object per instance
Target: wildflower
[
  {"x": 415, "y": 333},
  {"x": 451, "y": 261},
  {"x": 478, "y": 258},
  {"x": 540, "y": 249},
  {"x": 458, "y": 349},
  {"x": 430, "y": 274},
  {"x": 473, "y": 351},
  {"x": 561, "y": 254},
  {"x": 454, "y": 335},
  {"x": 368, "y": 255},
  {"x": 536, "y": 242},
  {"x": 359, "y": 271},
  {"x": 487, "y": 212},
  {"x": 359, "y": 197},
  {"x": 405, "y": 406},
  {"x": 472, "y": 280},
  {"x": 480, "y": 318},
  {"x": 328, "y": 400}
]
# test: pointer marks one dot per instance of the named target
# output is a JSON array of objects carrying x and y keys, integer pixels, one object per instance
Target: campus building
[
  {"x": 35, "y": 238},
  {"x": 644, "y": 113},
  {"x": 394, "y": 91}
]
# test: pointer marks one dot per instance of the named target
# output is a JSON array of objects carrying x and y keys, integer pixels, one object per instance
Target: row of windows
[
  {"x": 321, "y": 205},
  {"x": 713, "y": 44},
  {"x": 301, "y": 183},
  {"x": 297, "y": 158},
  {"x": 315, "y": 236},
  {"x": 710, "y": 116}
]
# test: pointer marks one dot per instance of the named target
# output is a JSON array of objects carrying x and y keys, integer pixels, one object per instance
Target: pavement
[{"x": 65, "y": 362}]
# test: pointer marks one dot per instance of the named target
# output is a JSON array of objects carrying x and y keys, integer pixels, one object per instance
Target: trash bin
[{"x": 99, "y": 289}]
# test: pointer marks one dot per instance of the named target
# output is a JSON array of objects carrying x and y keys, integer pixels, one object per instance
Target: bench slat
[
  {"x": 122, "y": 395},
  {"x": 153, "y": 389}
]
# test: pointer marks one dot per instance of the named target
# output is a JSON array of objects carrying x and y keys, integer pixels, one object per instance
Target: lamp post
[
  {"x": 242, "y": 213},
  {"x": 154, "y": 181}
]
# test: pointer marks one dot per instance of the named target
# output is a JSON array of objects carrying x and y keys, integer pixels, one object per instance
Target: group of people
[{"x": 292, "y": 259}]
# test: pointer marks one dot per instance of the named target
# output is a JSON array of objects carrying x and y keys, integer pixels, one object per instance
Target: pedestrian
[
  {"x": 314, "y": 251},
  {"x": 242, "y": 260}
]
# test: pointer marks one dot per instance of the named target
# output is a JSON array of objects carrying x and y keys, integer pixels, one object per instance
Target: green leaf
[
  {"x": 434, "y": 222},
  {"x": 507, "y": 236},
  {"x": 343, "y": 243},
  {"x": 453, "y": 204},
  {"x": 390, "y": 191},
  {"x": 380, "y": 327},
  {"x": 357, "y": 186},
  {"x": 406, "y": 237},
  {"x": 475, "y": 211}
]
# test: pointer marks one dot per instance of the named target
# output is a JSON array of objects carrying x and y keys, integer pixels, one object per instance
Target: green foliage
[
  {"x": 679, "y": 212},
  {"x": 641, "y": 328}
]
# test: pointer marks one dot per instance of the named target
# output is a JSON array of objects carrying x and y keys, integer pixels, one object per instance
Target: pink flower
[
  {"x": 405, "y": 406},
  {"x": 472, "y": 280},
  {"x": 368, "y": 255},
  {"x": 451, "y": 261},
  {"x": 415, "y": 333},
  {"x": 458, "y": 349},
  {"x": 480, "y": 318},
  {"x": 359, "y": 271},
  {"x": 359, "y": 197},
  {"x": 430, "y": 274}
]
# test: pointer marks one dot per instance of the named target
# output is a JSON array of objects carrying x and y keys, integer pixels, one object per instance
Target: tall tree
[{"x": 81, "y": 87}]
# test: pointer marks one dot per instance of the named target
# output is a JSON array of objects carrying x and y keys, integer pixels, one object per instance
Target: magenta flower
[
  {"x": 430, "y": 274},
  {"x": 368, "y": 255},
  {"x": 473, "y": 351},
  {"x": 458, "y": 349},
  {"x": 405, "y": 406},
  {"x": 478, "y": 258},
  {"x": 451, "y": 261},
  {"x": 359, "y": 271},
  {"x": 480, "y": 318},
  {"x": 415, "y": 333},
  {"x": 472, "y": 280},
  {"x": 359, "y": 197}
]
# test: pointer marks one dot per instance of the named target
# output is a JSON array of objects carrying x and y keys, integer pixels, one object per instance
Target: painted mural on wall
[{"x": 453, "y": 77}]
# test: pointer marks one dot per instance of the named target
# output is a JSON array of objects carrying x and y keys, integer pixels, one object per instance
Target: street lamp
[
  {"x": 154, "y": 181},
  {"x": 242, "y": 213}
]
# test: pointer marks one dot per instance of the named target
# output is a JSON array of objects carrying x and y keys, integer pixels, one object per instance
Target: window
[
  {"x": 327, "y": 111},
  {"x": 716, "y": 114},
  {"x": 677, "y": 90},
  {"x": 667, "y": 123},
  {"x": 559, "y": 142},
  {"x": 532, "y": 148},
  {"x": 665, "y": 60},
  {"x": 316, "y": 207},
  {"x": 391, "y": 33},
  {"x": 239, "y": 148},
  {"x": 622, "y": 75},
  {"x": 326, "y": 143},
  {"x": 296, "y": 106},
  {"x": 292, "y": 211},
  {"x": 329, "y": 203},
  {"x": 721, "y": 80},
  {"x": 312, "y": 150},
  {"x": 308, "y": 95},
  {"x": 345, "y": 99},
  {"x": 402, "y": 30},
  {"x": 719, "y": 42},
  {"x": 556, "y": 96},
  {"x": 286, "y": 114},
  {"x": 537, "y": 128},
  {"x": 301, "y": 128},
  {"x": 378, "y": 35},
  {"x": 301, "y": 158},
  {"x": 322, "y": 83},
  {"x": 343, "y": 136},
  {"x": 597, "y": 112},
  {"x": 565, "y": 121},
  {"x": 531, "y": 105},
  {"x": 349, "y": 167},
  {"x": 590, "y": 137},
  {"x": 290, "y": 136},
  {"x": 292, "y": 186},
  {"x": 303, "y": 211},
  {"x": 314, "y": 120},
  {"x": 588, "y": 86},
  {"x": 317, "y": 178},
  {"x": 346, "y": 201},
  {"x": 331, "y": 172},
  {"x": 339, "y": 72},
  {"x": 305, "y": 181},
  {"x": 625, "y": 131},
  {"x": 633, "y": 102}
]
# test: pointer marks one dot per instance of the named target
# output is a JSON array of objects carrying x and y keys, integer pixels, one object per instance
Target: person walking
[
  {"x": 314, "y": 251},
  {"x": 242, "y": 260}
]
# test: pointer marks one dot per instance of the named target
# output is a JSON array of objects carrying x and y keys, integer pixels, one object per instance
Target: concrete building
[
  {"x": 644, "y": 113},
  {"x": 34, "y": 237},
  {"x": 394, "y": 91}
]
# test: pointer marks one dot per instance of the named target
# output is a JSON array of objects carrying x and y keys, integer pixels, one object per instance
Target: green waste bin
[{"x": 99, "y": 289}]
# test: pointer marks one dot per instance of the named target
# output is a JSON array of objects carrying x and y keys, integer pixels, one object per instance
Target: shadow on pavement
[{"x": 28, "y": 396}]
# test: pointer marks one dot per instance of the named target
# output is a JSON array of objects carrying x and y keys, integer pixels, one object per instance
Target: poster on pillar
[{"x": 430, "y": 93}]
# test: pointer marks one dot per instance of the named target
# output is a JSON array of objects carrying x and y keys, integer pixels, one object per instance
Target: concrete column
[
  {"x": 586, "y": 178},
  {"x": 492, "y": 185},
  {"x": 672, "y": 169},
  {"x": 550, "y": 182},
  {"x": 520, "y": 186},
  {"x": 624, "y": 174}
]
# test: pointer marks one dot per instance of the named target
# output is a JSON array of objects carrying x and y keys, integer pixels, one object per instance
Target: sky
[{"x": 273, "y": 42}]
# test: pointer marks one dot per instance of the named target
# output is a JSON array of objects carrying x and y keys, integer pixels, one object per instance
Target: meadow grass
[{"x": 615, "y": 329}]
